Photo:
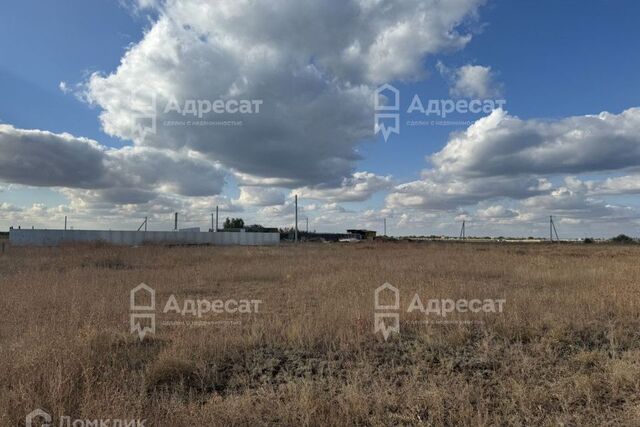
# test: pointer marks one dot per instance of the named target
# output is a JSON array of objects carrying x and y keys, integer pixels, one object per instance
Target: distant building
[{"x": 363, "y": 234}]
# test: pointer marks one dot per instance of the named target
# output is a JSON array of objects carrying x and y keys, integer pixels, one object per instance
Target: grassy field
[{"x": 565, "y": 350}]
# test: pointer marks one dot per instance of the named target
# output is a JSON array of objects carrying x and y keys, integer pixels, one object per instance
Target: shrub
[{"x": 622, "y": 238}]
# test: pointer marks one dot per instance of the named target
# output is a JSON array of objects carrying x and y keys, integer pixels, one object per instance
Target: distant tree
[
  {"x": 257, "y": 228},
  {"x": 622, "y": 238},
  {"x": 588, "y": 240},
  {"x": 230, "y": 223}
]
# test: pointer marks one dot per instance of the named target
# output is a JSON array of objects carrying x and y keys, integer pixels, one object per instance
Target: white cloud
[
  {"x": 260, "y": 196},
  {"x": 8, "y": 207},
  {"x": 314, "y": 65},
  {"x": 496, "y": 211},
  {"x": 504, "y": 157},
  {"x": 500, "y": 144},
  {"x": 438, "y": 191},
  {"x": 471, "y": 81},
  {"x": 314, "y": 69},
  {"x": 359, "y": 187},
  {"x": 64, "y": 87},
  {"x": 626, "y": 184}
]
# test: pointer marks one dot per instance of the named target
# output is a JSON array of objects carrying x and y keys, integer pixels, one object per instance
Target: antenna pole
[{"x": 216, "y": 218}]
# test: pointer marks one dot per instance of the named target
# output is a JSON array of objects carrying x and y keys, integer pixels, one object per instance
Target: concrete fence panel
[{"x": 28, "y": 237}]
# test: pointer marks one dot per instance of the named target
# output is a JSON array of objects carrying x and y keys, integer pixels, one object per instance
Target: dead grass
[{"x": 565, "y": 351}]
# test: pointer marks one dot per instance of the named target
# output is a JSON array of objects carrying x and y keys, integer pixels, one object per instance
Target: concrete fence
[{"x": 28, "y": 237}]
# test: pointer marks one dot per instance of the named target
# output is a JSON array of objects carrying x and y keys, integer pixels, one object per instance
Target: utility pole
[
  {"x": 385, "y": 226},
  {"x": 552, "y": 229},
  {"x": 307, "y": 225},
  {"x": 463, "y": 231},
  {"x": 212, "y": 222},
  {"x": 175, "y": 227},
  {"x": 296, "y": 232},
  {"x": 216, "y": 218},
  {"x": 146, "y": 219},
  {"x": 65, "y": 222}
]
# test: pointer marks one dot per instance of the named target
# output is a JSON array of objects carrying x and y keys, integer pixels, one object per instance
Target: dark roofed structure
[{"x": 363, "y": 234}]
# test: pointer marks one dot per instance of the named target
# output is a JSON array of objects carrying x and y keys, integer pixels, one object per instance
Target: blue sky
[
  {"x": 44, "y": 43},
  {"x": 549, "y": 60},
  {"x": 556, "y": 59}
]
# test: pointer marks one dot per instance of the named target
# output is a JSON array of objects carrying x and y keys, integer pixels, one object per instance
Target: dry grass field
[{"x": 564, "y": 351}]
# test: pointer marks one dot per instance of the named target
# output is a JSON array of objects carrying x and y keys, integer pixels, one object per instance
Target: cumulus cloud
[
  {"x": 625, "y": 184},
  {"x": 8, "y": 207},
  {"x": 260, "y": 196},
  {"x": 40, "y": 158},
  {"x": 471, "y": 81},
  {"x": 120, "y": 176},
  {"x": 313, "y": 68},
  {"x": 504, "y": 157},
  {"x": 437, "y": 191},
  {"x": 500, "y": 144},
  {"x": 359, "y": 187},
  {"x": 497, "y": 211},
  {"x": 64, "y": 88},
  {"x": 576, "y": 205}
]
